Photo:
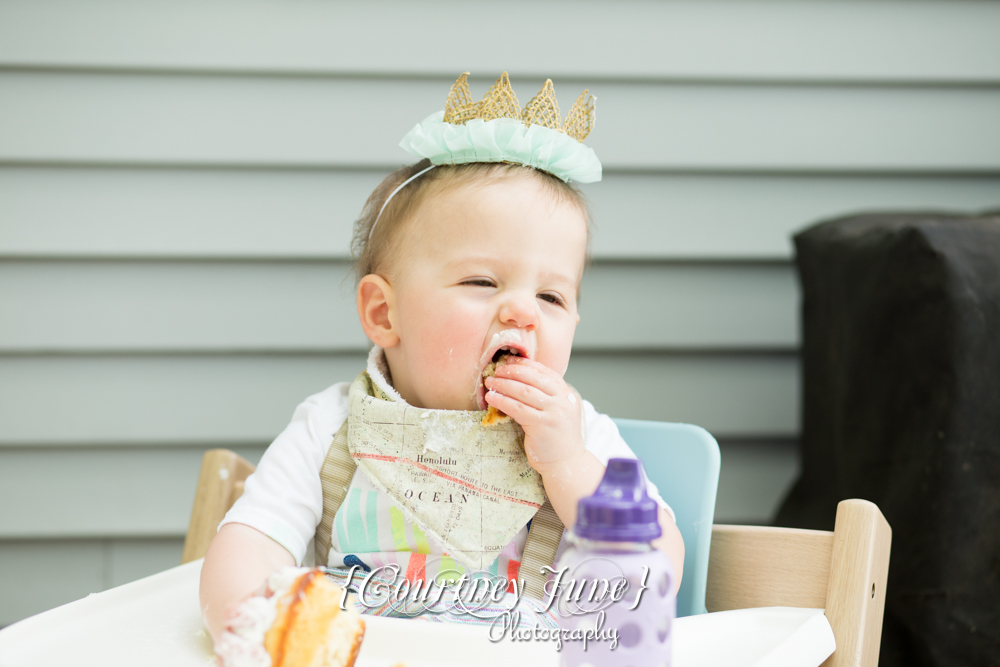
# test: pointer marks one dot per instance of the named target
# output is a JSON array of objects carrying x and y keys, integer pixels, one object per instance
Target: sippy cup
[{"x": 608, "y": 565}]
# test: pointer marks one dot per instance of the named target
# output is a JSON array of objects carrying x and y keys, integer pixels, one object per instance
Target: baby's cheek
[
  {"x": 555, "y": 353},
  {"x": 463, "y": 335},
  {"x": 559, "y": 364},
  {"x": 456, "y": 339}
]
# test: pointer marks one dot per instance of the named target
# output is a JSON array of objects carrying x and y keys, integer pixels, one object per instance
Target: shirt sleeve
[
  {"x": 283, "y": 498},
  {"x": 605, "y": 442}
]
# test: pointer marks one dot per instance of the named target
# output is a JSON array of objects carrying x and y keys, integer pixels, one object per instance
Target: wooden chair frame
[
  {"x": 220, "y": 484},
  {"x": 843, "y": 572}
]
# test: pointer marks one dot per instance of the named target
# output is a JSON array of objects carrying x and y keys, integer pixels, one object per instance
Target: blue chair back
[{"x": 683, "y": 461}]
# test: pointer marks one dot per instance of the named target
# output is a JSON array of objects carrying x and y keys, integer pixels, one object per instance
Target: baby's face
[{"x": 484, "y": 266}]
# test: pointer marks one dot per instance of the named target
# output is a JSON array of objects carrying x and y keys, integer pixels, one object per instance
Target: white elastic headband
[{"x": 393, "y": 194}]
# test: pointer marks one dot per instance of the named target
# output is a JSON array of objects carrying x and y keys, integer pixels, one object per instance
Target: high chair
[{"x": 843, "y": 572}]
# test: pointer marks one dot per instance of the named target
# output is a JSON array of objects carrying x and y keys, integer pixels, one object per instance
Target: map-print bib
[{"x": 468, "y": 486}]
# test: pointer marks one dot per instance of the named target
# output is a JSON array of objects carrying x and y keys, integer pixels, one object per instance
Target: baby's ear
[{"x": 377, "y": 310}]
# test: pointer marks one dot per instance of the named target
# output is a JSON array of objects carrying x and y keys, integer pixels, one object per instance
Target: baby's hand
[{"x": 547, "y": 408}]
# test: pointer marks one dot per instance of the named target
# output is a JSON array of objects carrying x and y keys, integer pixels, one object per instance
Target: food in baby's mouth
[
  {"x": 494, "y": 416},
  {"x": 298, "y": 622}
]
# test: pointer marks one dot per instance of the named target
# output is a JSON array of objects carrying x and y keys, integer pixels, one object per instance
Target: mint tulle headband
[{"x": 496, "y": 129}]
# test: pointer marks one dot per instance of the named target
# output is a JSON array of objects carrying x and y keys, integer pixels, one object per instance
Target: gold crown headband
[
  {"x": 500, "y": 101},
  {"x": 496, "y": 129}
]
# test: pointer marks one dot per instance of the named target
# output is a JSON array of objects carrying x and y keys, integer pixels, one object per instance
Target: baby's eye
[
  {"x": 551, "y": 298},
  {"x": 479, "y": 282}
]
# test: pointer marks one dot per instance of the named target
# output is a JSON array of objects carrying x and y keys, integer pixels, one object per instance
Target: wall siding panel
[
  {"x": 85, "y": 566},
  {"x": 60, "y": 211},
  {"x": 187, "y": 399},
  {"x": 95, "y": 492},
  {"x": 731, "y": 395},
  {"x": 288, "y": 306},
  {"x": 269, "y": 120},
  {"x": 754, "y": 478},
  {"x": 139, "y": 498},
  {"x": 26, "y": 574},
  {"x": 156, "y": 399},
  {"x": 889, "y": 41},
  {"x": 131, "y": 559}
]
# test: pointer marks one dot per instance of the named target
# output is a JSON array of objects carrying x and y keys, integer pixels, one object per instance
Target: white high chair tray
[{"x": 156, "y": 621}]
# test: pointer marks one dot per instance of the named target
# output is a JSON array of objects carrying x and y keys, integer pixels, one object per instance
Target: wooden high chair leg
[{"x": 855, "y": 597}]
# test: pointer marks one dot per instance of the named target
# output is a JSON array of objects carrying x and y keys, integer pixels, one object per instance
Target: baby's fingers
[
  {"x": 519, "y": 391},
  {"x": 518, "y": 411},
  {"x": 534, "y": 374}
]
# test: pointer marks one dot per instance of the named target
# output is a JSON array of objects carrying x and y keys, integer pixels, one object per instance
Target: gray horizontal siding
[
  {"x": 236, "y": 398},
  {"x": 754, "y": 479},
  {"x": 731, "y": 395},
  {"x": 83, "y": 566},
  {"x": 92, "y": 492},
  {"x": 323, "y": 122},
  {"x": 55, "y": 211},
  {"x": 813, "y": 41},
  {"x": 287, "y": 306}
]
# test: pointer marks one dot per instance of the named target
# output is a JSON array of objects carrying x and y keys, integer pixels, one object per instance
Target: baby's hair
[{"x": 375, "y": 251}]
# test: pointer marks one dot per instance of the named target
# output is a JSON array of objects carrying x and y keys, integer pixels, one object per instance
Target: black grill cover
[{"x": 901, "y": 406}]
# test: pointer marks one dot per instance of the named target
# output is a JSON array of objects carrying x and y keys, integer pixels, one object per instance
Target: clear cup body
[{"x": 621, "y": 593}]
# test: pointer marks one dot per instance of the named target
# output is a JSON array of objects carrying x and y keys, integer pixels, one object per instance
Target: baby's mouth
[{"x": 499, "y": 358}]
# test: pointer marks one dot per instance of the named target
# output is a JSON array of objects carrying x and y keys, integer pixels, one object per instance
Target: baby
[{"x": 456, "y": 262}]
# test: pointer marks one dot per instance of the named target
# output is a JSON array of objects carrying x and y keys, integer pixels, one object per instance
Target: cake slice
[
  {"x": 494, "y": 416},
  {"x": 297, "y": 623}
]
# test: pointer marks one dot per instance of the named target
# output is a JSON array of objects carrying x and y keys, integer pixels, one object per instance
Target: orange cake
[
  {"x": 297, "y": 623},
  {"x": 494, "y": 416}
]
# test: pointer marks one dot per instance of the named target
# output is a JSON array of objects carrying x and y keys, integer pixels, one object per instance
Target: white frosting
[
  {"x": 281, "y": 581},
  {"x": 242, "y": 642},
  {"x": 501, "y": 338}
]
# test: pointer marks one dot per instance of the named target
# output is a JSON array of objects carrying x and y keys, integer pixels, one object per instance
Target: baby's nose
[{"x": 520, "y": 311}]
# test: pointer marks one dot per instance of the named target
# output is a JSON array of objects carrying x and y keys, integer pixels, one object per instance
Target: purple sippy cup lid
[{"x": 620, "y": 510}]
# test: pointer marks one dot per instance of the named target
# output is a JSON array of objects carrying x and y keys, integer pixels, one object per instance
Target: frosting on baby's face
[{"x": 486, "y": 267}]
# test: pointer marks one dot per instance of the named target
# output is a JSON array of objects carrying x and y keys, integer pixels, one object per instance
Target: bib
[{"x": 468, "y": 486}]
